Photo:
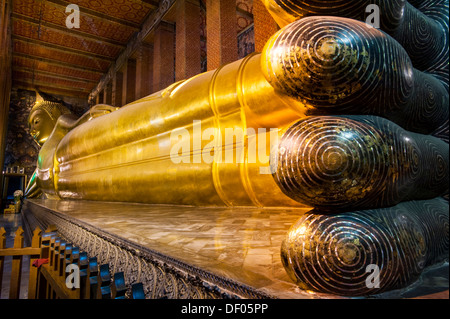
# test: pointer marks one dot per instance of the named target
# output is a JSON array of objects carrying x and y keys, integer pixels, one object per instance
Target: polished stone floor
[{"x": 242, "y": 244}]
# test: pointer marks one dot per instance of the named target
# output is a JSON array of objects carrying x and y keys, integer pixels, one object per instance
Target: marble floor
[{"x": 242, "y": 244}]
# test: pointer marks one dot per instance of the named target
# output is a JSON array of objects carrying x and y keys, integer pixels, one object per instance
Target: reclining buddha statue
[{"x": 335, "y": 114}]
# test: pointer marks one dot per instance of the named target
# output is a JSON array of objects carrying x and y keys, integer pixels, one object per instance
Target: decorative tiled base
[
  {"x": 193, "y": 252},
  {"x": 179, "y": 266}
]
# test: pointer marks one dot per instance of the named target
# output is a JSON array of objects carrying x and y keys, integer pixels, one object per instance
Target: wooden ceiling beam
[
  {"x": 65, "y": 30},
  {"x": 153, "y": 3},
  {"x": 63, "y": 48},
  {"x": 54, "y": 75},
  {"x": 49, "y": 90},
  {"x": 244, "y": 12},
  {"x": 51, "y": 82},
  {"x": 58, "y": 63},
  {"x": 98, "y": 15},
  {"x": 50, "y": 85},
  {"x": 149, "y": 25}
]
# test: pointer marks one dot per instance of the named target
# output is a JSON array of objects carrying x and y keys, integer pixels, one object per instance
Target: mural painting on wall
[
  {"x": 204, "y": 67},
  {"x": 244, "y": 14},
  {"x": 21, "y": 150},
  {"x": 246, "y": 35},
  {"x": 246, "y": 42}
]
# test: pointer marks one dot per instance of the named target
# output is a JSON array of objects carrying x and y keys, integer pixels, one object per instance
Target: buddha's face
[{"x": 41, "y": 126}]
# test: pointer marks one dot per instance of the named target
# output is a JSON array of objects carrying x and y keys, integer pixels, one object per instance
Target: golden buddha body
[
  {"x": 130, "y": 154},
  {"x": 332, "y": 114}
]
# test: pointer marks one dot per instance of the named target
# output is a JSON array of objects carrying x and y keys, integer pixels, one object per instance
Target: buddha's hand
[{"x": 337, "y": 65}]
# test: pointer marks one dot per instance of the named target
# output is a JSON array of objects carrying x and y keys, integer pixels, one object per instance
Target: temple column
[
  {"x": 117, "y": 89},
  {"x": 100, "y": 96},
  {"x": 264, "y": 25},
  {"x": 107, "y": 97},
  {"x": 221, "y": 32},
  {"x": 129, "y": 81},
  {"x": 144, "y": 71},
  {"x": 188, "y": 47},
  {"x": 5, "y": 80},
  {"x": 163, "y": 56}
]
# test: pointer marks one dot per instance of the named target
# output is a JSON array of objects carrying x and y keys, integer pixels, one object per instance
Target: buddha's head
[{"x": 43, "y": 118}]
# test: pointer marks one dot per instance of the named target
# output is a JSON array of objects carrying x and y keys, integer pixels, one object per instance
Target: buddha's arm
[
  {"x": 68, "y": 122},
  {"x": 32, "y": 190}
]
